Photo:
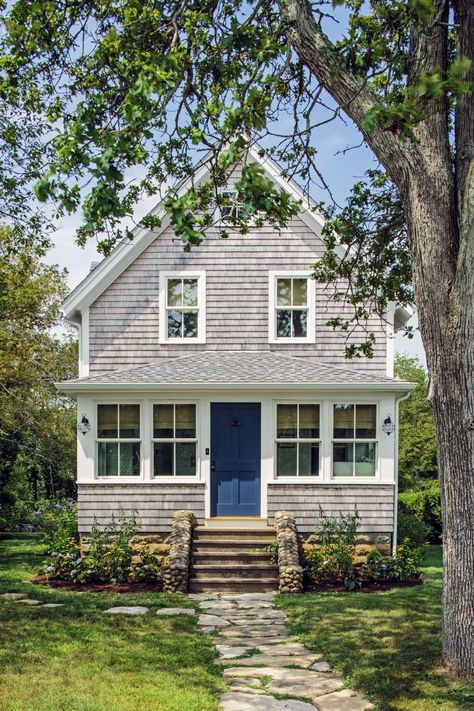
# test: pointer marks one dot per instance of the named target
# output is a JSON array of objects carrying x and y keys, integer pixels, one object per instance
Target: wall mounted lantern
[
  {"x": 84, "y": 425},
  {"x": 388, "y": 426}
]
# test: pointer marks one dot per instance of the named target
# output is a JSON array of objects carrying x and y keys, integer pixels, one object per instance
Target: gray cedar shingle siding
[
  {"x": 154, "y": 504},
  {"x": 374, "y": 503},
  {"x": 124, "y": 319}
]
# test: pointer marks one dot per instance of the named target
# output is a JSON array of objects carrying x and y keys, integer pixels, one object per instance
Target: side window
[
  {"x": 354, "y": 445},
  {"x": 182, "y": 307},
  {"x": 118, "y": 440}
]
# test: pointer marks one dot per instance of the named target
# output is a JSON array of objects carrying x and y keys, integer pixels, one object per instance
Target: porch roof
[{"x": 220, "y": 369}]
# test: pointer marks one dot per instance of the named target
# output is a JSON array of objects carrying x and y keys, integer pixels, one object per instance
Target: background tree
[
  {"x": 37, "y": 425},
  {"x": 120, "y": 84}
]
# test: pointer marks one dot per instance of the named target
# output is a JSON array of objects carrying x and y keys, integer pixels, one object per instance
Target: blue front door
[{"x": 235, "y": 459}]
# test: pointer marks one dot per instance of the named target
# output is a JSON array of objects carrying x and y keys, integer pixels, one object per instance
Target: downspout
[{"x": 398, "y": 400}]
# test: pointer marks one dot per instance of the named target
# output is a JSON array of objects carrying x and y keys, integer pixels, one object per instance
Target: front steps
[{"x": 233, "y": 560}]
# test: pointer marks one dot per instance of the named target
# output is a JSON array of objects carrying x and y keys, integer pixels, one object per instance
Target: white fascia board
[{"x": 72, "y": 388}]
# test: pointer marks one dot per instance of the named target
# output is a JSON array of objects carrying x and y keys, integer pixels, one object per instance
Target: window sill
[{"x": 182, "y": 341}]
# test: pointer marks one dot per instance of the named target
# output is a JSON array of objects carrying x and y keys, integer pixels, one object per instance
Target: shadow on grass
[{"x": 387, "y": 644}]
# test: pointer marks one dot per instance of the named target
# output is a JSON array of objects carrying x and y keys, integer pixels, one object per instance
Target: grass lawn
[
  {"x": 75, "y": 658},
  {"x": 386, "y": 644}
]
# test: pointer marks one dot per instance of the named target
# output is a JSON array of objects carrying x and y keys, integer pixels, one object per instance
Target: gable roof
[
  {"x": 218, "y": 369},
  {"x": 110, "y": 268}
]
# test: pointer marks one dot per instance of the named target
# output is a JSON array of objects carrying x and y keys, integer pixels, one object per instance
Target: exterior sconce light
[
  {"x": 84, "y": 425},
  {"x": 388, "y": 426}
]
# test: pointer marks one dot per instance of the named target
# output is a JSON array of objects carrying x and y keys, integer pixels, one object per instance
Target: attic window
[
  {"x": 182, "y": 307},
  {"x": 230, "y": 210}
]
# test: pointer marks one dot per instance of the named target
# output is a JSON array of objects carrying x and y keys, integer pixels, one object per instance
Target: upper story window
[
  {"x": 354, "y": 440},
  {"x": 118, "y": 440},
  {"x": 292, "y": 307},
  {"x": 182, "y": 307}
]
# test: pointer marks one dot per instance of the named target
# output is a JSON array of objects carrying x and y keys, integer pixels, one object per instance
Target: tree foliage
[
  {"x": 417, "y": 459},
  {"x": 37, "y": 425}
]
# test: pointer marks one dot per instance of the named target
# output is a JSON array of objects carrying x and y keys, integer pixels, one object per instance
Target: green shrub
[
  {"x": 409, "y": 527},
  {"x": 406, "y": 564},
  {"x": 332, "y": 561},
  {"x": 425, "y": 505},
  {"x": 108, "y": 560}
]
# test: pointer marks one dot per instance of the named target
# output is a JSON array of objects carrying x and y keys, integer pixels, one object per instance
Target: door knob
[{"x": 213, "y": 466}]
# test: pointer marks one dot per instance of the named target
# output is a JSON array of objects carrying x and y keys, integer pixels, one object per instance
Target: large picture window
[
  {"x": 297, "y": 440},
  {"x": 354, "y": 440},
  {"x": 182, "y": 307},
  {"x": 292, "y": 308},
  {"x": 118, "y": 440},
  {"x": 174, "y": 439}
]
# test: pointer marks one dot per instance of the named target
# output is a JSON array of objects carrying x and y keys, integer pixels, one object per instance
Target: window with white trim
[
  {"x": 292, "y": 308},
  {"x": 354, "y": 446},
  {"x": 182, "y": 307},
  {"x": 230, "y": 207},
  {"x": 174, "y": 439},
  {"x": 297, "y": 440},
  {"x": 118, "y": 440}
]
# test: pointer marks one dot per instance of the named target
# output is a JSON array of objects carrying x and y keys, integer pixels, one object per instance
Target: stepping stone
[
  {"x": 218, "y": 605},
  {"x": 344, "y": 700},
  {"x": 203, "y": 596},
  {"x": 250, "y": 702},
  {"x": 297, "y": 660},
  {"x": 168, "y": 611},
  {"x": 12, "y": 596},
  {"x": 212, "y": 621},
  {"x": 292, "y": 682},
  {"x": 249, "y": 621},
  {"x": 246, "y": 681},
  {"x": 254, "y": 641},
  {"x": 320, "y": 667},
  {"x": 53, "y": 604},
  {"x": 131, "y": 610},
  {"x": 286, "y": 649},
  {"x": 27, "y": 601},
  {"x": 226, "y": 652},
  {"x": 248, "y": 596},
  {"x": 262, "y": 631},
  {"x": 247, "y": 689}
]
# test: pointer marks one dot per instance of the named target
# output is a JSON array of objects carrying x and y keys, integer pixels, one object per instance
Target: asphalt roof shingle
[{"x": 235, "y": 368}]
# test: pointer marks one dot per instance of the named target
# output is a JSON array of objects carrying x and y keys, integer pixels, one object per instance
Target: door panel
[{"x": 235, "y": 459}]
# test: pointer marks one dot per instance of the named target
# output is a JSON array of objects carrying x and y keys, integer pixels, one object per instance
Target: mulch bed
[
  {"x": 98, "y": 587},
  {"x": 372, "y": 586}
]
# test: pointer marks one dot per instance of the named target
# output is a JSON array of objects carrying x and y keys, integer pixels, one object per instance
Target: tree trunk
[
  {"x": 445, "y": 306},
  {"x": 439, "y": 208}
]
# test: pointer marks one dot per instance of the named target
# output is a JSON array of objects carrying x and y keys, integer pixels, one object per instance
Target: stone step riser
[
  {"x": 232, "y": 586},
  {"x": 197, "y": 572},
  {"x": 235, "y": 535},
  {"x": 238, "y": 559},
  {"x": 231, "y": 546}
]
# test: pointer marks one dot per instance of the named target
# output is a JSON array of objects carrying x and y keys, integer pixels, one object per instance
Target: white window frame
[
  {"x": 339, "y": 440},
  {"x": 297, "y": 478},
  {"x": 200, "y": 308},
  {"x": 117, "y": 477},
  {"x": 174, "y": 478},
  {"x": 223, "y": 219},
  {"x": 311, "y": 306}
]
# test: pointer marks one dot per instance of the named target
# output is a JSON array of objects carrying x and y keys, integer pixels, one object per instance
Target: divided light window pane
[
  {"x": 129, "y": 421},
  {"x": 300, "y": 292},
  {"x": 175, "y": 292},
  {"x": 365, "y": 459},
  {"x": 107, "y": 457},
  {"x": 185, "y": 421},
  {"x": 286, "y": 458},
  {"x": 163, "y": 458},
  {"x": 107, "y": 421},
  {"x": 190, "y": 293},
  {"x": 287, "y": 421},
  {"x": 344, "y": 421},
  {"x": 185, "y": 458},
  {"x": 129, "y": 458},
  {"x": 343, "y": 459},
  {"x": 366, "y": 425},
  {"x": 308, "y": 458},
  {"x": 163, "y": 422},
  {"x": 309, "y": 422},
  {"x": 182, "y": 303}
]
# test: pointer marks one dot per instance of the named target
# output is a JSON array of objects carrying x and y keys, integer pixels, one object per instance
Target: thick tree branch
[{"x": 350, "y": 91}]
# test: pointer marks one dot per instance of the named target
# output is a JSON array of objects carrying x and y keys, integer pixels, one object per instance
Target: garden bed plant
[
  {"x": 330, "y": 565},
  {"x": 110, "y": 562}
]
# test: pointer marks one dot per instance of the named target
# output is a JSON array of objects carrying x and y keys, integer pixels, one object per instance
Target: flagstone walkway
[{"x": 266, "y": 668}]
